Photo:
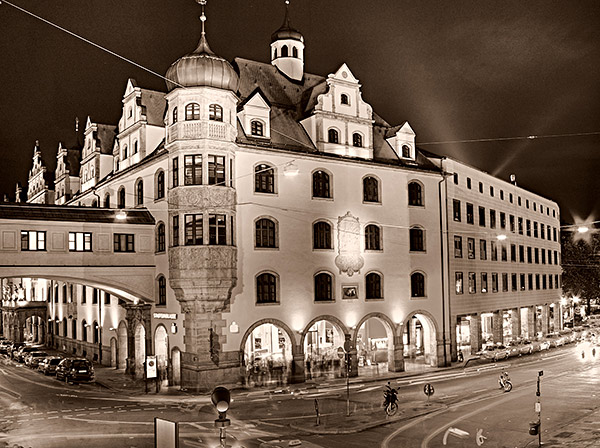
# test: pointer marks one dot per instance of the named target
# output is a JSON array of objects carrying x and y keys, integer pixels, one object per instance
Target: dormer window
[
  {"x": 215, "y": 112},
  {"x": 357, "y": 140},
  {"x": 174, "y": 115},
  {"x": 256, "y": 128},
  {"x": 406, "y": 151},
  {"x": 344, "y": 99},
  {"x": 192, "y": 112},
  {"x": 333, "y": 136}
]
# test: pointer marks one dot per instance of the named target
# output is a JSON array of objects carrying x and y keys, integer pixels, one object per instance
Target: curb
[{"x": 365, "y": 426}]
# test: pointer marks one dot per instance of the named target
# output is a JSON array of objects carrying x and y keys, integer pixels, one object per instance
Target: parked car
[
  {"x": 513, "y": 349},
  {"x": 568, "y": 335},
  {"x": 48, "y": 365},
  {"x": 493, "y": 352},
  {"x": 33, "y": 359},
  {"x": 4, "y": 347},
  {"x": 75, "y": 370},
  {"x": 22, "y": 352},
  {"x": 555, "y": 339},
  {"x": 14, "y": 348},
  {"x": 526, "y": 347}
]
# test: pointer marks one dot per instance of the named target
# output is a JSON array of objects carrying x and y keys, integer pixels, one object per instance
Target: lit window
[
  {"x": 256, "y": 128},
  {"x": 33, "y": 240},
  {"x": 458, "y": 281},
  {"x": 215, "y": 112},
  {"x": 192, "y": 112},
  {"x": 80, "y": 241}
]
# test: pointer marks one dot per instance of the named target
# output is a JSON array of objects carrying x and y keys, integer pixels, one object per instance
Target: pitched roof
[
  {"x": 106, "y": 136},
  {"x": 44, "y": 212},
  {"x": 154, "y": 104}
]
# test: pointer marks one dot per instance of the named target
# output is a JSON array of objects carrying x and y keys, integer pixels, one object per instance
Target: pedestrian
[{"x": 308, "y": 370}]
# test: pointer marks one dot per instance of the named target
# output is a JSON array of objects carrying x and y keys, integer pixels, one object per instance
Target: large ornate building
[{"x": 289, "y": 218}]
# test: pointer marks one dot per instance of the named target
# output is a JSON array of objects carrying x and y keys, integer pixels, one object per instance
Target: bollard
[{"x": 317, "y": 411}]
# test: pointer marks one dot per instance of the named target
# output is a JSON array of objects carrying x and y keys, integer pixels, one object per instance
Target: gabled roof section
[
  {"x": 106, "y": 137},
  {"x": 257, "y": 98},
  {"x": 154, "y": 104},
  {"x": 349, "y": 75},
  {"x": 43, "y": 212}
]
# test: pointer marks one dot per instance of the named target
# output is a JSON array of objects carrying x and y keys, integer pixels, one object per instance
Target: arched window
[
  {"x": 321, "y": 187},
  {"x": 264, "y": 179},
  {"x": 95, "y": 331},
  {"x": 266, "y": 288},
  {"x": 357, "y": 140},
  {"x": 417, "y": 239},
  {"x": 125, "y": 155},
  {"x": 135, "y": 147},
  {"x": 174, "y": 115},
  {"x": 370, "y": 189},
  {"x": 344, "y": 99},
  {"x": 294, "y": 52},
  {"x": 160, "y": 185},
  {"x": 417, "y": 285},
  {"x": 64, "y": 326},
  {"x": 323, "y": 287},
  {"x": 215, "y": 112},
  {"x": 107, "y": 201},
  {"x": 321, "y": 235},
  {"x": 160, "y": 237},
  {"x": 373, "y": 286},
  {"x": 162, "y": 291},
  {"x": 121, "y": 203},
  {"x": 95, "y": 203},
  {"x": 256, "y": 128},
  {"x": 415, "y": 194},
  {"x": 284, "y": 51},
  {"x": 139, "y": 193},
  {"x": 84, "y": 330},
  {"x": 266, "y": 236},
  {"x": 372, "y": 237},
  {"x": 333, "y": 136},
  {"x": 406, "y": 151},
  {"x": 192, "y": 112},
  {"x": 74, "y": 329}
]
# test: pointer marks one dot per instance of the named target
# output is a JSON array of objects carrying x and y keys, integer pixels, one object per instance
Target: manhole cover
[{"x": 564, "y": 434}]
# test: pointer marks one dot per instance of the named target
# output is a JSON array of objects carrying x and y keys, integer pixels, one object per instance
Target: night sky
[{"x": 460, "y": 70}]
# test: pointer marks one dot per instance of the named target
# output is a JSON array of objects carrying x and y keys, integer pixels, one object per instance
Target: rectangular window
[
  {"x": 502, "y": 194},
  {"x": 528, "y": 227},
  {"x": 494, "y": 251},
  {"x": 537, "y": 256},
  {"x": 521, "y": 253},
  {"x": 482, "y": 249},
  {"x": 175, "y": 172},
  {"x": 513, "y": 253},
  {"x": 542, "y": 231},
  {"x": 502, "y": 220},
  {"x": 106, "y": 298},
  {"x": 216, "y": 170},
  {"x": 480, "y": 187},
  {"x": 537, "y": 281},
  {"x": 472, "y": 283},
  {"x": 471, "y": 248},
  {"x": 520, "y": 220},
  {"x": 33, "y": 240},
  {"x": 494, "y": 282},
  {"x": 504, "y": 253},
  {"x": 535, "y": 229},
  {"x": 83, "y": 294},
  {"x": 513, "y": 278},
  {"x": 530, "y": 280},
  {"x": 511, "y": 221},
  {"x": 470, "y": 217},
  {"x": 80, "y": 241},
  {"x": 491, "y": 191},
  {"x": 556, "y": 281},
  {"x": 555, "y": 257},
  {"x": 217, "y": 230},
  {"x": 175, "y": 230},
  {"x": 550, "y": 281},
  {"x": 510, "y": 197},
  {"x": 469, "y": 183},
  {"x": 492, "y": 219},
  {"x": 193, "y": 170},
  {"x": 484, "y": 282},
  {"x": 94, "y": 296},
  {"x": 482, "y": 216},
  {"x": 529, "y": 257},
  {"x": 554, "y": 233},
  {"x": 544, "y": 282},
  {"x": 458, "y": 281},
  {"x": 193, "y": 230},
  {"x": 504, "y": 282},
  {"x": 522, "y": 281},
  {"x": 456, "y": 209},
  {"x": 457, "y": 246},
  {"x": 123, "y": 242}
]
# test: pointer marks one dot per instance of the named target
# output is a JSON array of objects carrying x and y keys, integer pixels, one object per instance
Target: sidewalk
[{"x": 582, "y": 433}]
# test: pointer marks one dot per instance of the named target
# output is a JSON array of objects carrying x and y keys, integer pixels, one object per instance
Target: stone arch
[
  {"x": 394, "y": 343},
  {"x": 329, "y": 318},
  {"x": 320, "y": 349},
  {"x": 113, "y": 352},
  {"x": 161, "y": 350},
  {"x": 275, "y": 322},
  {"x": 176, "y": 366},
  {"x": 122, "y": 345},
  {"x": 432, "y": 335}
]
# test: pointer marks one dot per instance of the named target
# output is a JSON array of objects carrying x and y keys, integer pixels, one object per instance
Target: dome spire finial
[
  {"x": 203, "y": 16},
  {"x": 203, "y": 44}
]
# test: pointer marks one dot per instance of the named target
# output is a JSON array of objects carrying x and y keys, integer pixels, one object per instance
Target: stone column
[
  {"x": 531, "y": 326},
  {"x": 557, "y": 316},
  {"x": 497, "y": 327},
  {"x": 475, "y": 332},
  {"x": 545, "y": 318},
  {"x": 398, "y": 357},
  {"x": 454, "y": 322},
  {"x": 515, "y": 323},
  {"x": 135, "y": 314},
  {"x": 297, "y": 372}
]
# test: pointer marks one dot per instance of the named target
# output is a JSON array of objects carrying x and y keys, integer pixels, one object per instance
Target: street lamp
[
  {"x": 221, "y": 398},
  {"x": 583, "y": 229}
]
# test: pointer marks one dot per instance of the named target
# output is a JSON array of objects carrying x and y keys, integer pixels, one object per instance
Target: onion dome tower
[
  {"x": 287, "y": 49},
  {"x": 201, "y": 129}
]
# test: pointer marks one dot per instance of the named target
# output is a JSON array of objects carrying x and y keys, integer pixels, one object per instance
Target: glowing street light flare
[
  {"x": 583, "y": 229},
  {"x": 501, "y": 237}
]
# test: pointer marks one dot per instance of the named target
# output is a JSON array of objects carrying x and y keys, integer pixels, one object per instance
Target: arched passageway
[
  {"x": 140, "y": 350},
  {"x": 122, "y": 351},
  {"x": 375, "y": 346},
  {"x": 267, "y": 355},
  {"x": 176, "y": 366},
  {"x": 419, "y": 339},
  {"x": 161, "y": 350},
  {"x": 322, "y": 340}
]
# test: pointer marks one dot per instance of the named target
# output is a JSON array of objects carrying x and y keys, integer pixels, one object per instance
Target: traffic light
[{"x": 221, "y": 398}]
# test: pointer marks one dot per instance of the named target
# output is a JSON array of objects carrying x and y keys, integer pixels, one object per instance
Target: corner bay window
[
  {"x": 33, "y": 240},
  {"x": 193, "y": 230},
  {"x": 217, "y": 230},
  {"x": 123, "y": 242},
  {"x": 80, "y": 242},
  {"x": 193, "y": 170},
  {"x": 216, "y": 170}
]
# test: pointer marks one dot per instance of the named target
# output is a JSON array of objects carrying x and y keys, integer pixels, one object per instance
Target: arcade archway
[
  {"x": 419, "y": 339},
  {"x": 267, "y": 355},
  {"x": 322, "y": 339},
  {"x": 375, "y": 345},
  {"x": 161, "y": 350},
  {"x": 176, "y": 366},
  {"x": 140, "y": 350},
  {"x": 122, "y": 351}
]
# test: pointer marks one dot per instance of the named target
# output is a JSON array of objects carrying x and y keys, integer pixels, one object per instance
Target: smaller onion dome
[
  {"x": 201, "y": 68},
  {"x": 286, "y": 31}
]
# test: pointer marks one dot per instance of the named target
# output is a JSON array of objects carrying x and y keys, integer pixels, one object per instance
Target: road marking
[
  {"x": 50, "y": 412},
  {"x": 80, "y": 409},
  {"x": 120, "y": 410},
  {"x": 94, "y": 413},
  {"x": 136, "y": 410},
  {"x": 368, "y": 389},
  {"x": 106, "y": 407},
  {"x": 79, "y": 415},
  {"x": 51, "y": 418},
  {"x": 479, "y": 390},
  {"x": 23, "y": 421},
  {"x": 109, "y": 412},
  {"x": 66, "y": 410},
  {"x": 92, "y": 409}
]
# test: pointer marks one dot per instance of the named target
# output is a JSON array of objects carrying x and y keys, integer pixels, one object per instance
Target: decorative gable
[
  {"x": 254, "y": 116},
  {"x": 342, "y": 123},
  {"x": 402, "y": 139}
]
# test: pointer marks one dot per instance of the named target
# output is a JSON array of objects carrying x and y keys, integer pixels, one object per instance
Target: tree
[{"x": 581, "y": 265}]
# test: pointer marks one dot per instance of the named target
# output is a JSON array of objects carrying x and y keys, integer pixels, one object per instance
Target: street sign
[
  {"x": 150, "y": 366},
  {"x": 428, "y": 389},
  {"x": 347, "y": 346},
  {"x": 340, "y": 352},
  {"x": 166, "y": 433},
  {"x": 538, "y": 407}
]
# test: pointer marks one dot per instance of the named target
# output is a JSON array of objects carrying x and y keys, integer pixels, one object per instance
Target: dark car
[
  {"x": 24, "y": 351},
  {"x": 4, "y": 347},
  {"x": 49, "y": 364},
  {"x": 75, "y": 370},
  {"x": 14, "y": 348},
  {"x": 34, "y": 358}
]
